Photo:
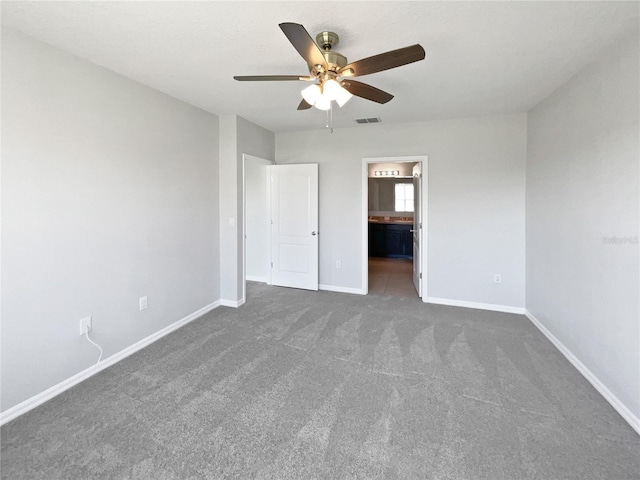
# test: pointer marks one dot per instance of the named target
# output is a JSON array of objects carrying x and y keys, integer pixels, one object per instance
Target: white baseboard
[
  {"x": 615, "y": 402},
  {"x": 232, "y": 303},
  {"x": 333, "y": 288},
  {"x": 51, "y": 392},
  {"x": 251, "y": 278},
  {"x": 480, "y": 306}
]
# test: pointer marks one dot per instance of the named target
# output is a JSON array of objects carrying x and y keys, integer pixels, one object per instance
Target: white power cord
[{"x": 86, "y": 332}]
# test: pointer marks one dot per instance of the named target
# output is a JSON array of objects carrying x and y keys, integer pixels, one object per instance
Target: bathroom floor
[{"x": 391, "y": 276}]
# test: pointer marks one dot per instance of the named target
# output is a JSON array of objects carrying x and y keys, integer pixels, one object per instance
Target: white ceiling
[{"x": 483, "y": 58}]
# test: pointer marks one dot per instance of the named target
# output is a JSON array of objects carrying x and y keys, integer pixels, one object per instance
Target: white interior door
[
  {"x": 417, "y": 229},
  {"x": 294, "y": 225}
]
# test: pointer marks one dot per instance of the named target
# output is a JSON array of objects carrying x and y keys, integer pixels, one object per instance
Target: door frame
[
  {"x": 243, "y": 233},
  {"x": 423, "y": 160}
]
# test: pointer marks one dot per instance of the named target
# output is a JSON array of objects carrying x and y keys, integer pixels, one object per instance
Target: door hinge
[
  {"x": 420, "y": 225},
  {"x": 420, "y": 274},
  {"x": 271, "y": 264}
]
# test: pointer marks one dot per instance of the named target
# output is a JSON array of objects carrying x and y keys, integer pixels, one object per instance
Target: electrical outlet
[
  {"x": 338, "y": 264},
  {"x": 85, "y": 325},
  {"x": 497, "y": 278},
  {"x": 143, "y": 303}
]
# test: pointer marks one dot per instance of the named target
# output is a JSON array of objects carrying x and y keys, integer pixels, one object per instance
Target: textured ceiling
[{"x": 483, "y": 58}]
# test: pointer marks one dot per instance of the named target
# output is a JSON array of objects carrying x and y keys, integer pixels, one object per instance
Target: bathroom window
[{"x": 404, "y": 197}]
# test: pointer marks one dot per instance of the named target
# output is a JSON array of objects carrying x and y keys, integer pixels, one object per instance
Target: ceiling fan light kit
[
  {"x": 332, "y": 72},
  {"x": 320, "y": 95}
]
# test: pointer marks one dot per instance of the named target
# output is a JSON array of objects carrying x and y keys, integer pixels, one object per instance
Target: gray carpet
[{"x": 324, "y": 385}]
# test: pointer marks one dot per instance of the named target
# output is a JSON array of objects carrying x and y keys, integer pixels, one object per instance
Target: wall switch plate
[
  {"x": 497, "y": 278},
  {"x": 338, "y": 264},
  {"x": 85, "y": 325},
  {"x": 143, "y": 303}
]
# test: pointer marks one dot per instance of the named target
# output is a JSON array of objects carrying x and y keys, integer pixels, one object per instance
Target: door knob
[{"x": 314, "y": 233}]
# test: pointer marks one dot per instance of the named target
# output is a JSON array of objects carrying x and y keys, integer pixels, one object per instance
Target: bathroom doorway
[
  {"x": 394, "y": 226},
  {"x": 391, "y": 276}
]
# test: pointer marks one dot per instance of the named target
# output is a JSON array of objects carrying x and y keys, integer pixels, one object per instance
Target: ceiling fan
[{"x": 330, "y": 71}]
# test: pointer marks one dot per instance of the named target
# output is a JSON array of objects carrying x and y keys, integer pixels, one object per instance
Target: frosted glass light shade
[
  {"x": 343, "y": 96},
  {"x": 323, "y": 103},
  {"x": 312, "y": 93},
  {"x": 332, "y": 89}
]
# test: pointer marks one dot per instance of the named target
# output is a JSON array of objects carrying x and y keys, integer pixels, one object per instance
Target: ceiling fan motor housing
[{"x": 335, "y": 61}]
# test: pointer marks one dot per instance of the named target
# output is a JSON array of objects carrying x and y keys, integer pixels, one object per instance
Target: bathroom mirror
[{"x": 382, "y": 193}]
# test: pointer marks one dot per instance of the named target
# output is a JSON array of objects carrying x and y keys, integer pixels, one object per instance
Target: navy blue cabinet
[
  {"x": 390, "y": 240},
  {"x": 377, "y": 239}
]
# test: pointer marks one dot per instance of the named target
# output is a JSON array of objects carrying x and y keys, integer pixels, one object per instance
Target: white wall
[
  {"x": 476, "y": 179},
  {"x": 109, "y": 193},
  {"x": 582, "y": 195},
  {"x": 237, "y": 137},
  {"x": 229, "y": 181}
]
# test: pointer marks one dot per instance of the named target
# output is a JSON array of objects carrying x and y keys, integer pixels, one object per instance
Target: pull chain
[
  {"x": 329, "y": 124},
  {"x": 331, "y": 115}
]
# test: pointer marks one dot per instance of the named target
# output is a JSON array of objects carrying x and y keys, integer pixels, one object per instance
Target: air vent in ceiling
[{"x": 368, "y": 120}]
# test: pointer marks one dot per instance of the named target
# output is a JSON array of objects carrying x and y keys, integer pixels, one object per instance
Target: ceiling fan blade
[
  {"x": 304, "y": 105},
  {"x": 303, "y": 43},
  {"x": 363, "y": 90},
  {"x": 270, "y": 78},
  {"x": 384, "y": 61}
]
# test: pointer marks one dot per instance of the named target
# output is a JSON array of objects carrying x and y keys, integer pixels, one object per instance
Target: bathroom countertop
[{"x": 392, "y": 220}]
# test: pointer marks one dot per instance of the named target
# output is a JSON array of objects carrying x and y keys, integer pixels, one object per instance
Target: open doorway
[
  {"x": 255, "y": 229},
  {"x": 394, "y": 226},
  {"x": 280, "y": 227}
]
